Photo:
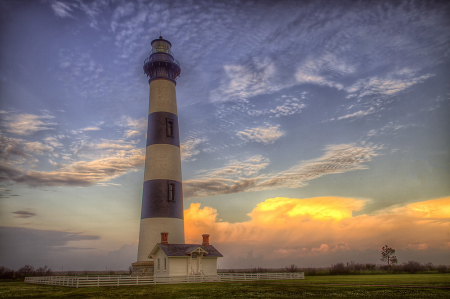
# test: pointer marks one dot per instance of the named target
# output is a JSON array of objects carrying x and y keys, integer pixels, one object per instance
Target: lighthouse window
[
  {"x": 171, "y": 195},
  {"x": 169, "y": 125}
]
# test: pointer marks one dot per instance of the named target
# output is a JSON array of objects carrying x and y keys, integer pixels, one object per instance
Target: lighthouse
[{"x": 162, "y": 199}]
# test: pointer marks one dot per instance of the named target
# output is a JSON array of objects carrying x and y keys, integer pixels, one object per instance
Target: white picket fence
[{"x": 127, "y": 280}]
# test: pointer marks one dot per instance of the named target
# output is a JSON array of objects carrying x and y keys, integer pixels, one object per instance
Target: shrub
[
  {"x": 6, "y": 273},
  {"x": 429, "y": 267},
  {"x": 260, "y": 270},
  {"x": 412, "y": 267},
  {"x": 338, "y": 269},
  {"x": 370, "y": 266},
  {"x": 310, "y": 271}
]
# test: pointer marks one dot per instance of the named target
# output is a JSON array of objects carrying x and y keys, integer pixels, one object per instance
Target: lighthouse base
[{"x": 142, "y": 269}]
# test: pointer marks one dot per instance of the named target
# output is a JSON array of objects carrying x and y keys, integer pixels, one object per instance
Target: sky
[{"x": 312, "y": 132}]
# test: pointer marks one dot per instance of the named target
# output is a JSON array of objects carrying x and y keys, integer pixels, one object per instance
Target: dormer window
[
  {"x": 171, "y": 191},
  {"x": 169, "y": 127},
  {"x": 194, "y": 255}
]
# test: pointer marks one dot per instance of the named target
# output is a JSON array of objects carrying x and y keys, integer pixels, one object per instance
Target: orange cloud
[{"x": 290, "y": 227}]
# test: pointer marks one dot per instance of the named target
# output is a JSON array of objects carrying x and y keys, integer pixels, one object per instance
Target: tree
[
  {"x": 387, "y": 254},
  {"x": 292, "y": 268}
]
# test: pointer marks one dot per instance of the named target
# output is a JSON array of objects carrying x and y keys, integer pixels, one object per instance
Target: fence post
[
  {"x": 98, "y": 281},
  {"x": 77, "y": 282}
]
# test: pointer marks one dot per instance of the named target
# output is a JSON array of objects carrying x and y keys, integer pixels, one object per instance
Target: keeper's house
[{"x": 184, "y": 259}]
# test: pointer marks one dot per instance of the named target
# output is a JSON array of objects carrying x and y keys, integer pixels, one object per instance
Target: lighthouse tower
[{"x": 162, "y": 200}]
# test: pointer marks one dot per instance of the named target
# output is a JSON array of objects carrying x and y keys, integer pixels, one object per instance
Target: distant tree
[
  {"x": 46, "y": 271},
  {"x": 292, "y": 268},
  {"x": 26, "y": 270},
  {"x": 6, "y": 273},
  {"x": 388, "y": 254}
]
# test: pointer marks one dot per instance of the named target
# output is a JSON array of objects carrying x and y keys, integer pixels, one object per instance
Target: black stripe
[
  {"x": 155, "y": 200},
  {"x": 157, "y": 129}
]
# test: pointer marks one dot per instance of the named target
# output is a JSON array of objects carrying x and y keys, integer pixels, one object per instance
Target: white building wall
[
  {"x": 160, "y": 271},
  {"x": 209, "y": 266},
  {"x": 178, "y": 266}
]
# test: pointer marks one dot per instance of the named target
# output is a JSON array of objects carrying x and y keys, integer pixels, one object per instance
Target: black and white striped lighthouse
[{"x": 162, "y": 200}]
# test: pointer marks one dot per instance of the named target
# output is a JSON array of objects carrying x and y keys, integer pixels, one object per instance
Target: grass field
[{"x": 350, "y": 286}]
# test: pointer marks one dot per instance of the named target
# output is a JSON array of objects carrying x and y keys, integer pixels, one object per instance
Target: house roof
[{"x": 184, "y": 249}]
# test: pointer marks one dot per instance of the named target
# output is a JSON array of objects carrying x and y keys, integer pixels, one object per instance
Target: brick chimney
[
  {"x": 164, "y": 238},
  {"x": 205, "y": 240}
]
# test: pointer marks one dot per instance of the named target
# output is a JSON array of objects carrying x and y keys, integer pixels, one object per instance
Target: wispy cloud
[
  {"x": 132, "y": 127},
  {"x": 87, "y": 129},
  {"x": 358, "y": 114},
  {"x": 386, "y": 85},
  {"x": 389, "y": 128},
  {"x": 265, "y": 134},
  {"x": 81, "y": 173},
  {"x": 61, "y": 9},
  {"x": 24, "y": 214},
  {"x": 27, "y": 124},
  {"x": 324, "y": 70},
  {"x": 235, "y": 177},
  {"x": 290, "y": 105},
  {"x": 238, "y": 169},
  {"x": 189, "y": 148},
  {"x": 244, "y": 82},
  {"x": 19, "y": 151}
]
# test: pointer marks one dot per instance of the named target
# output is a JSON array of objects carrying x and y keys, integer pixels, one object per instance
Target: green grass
[{"x": 311, "y": 287}]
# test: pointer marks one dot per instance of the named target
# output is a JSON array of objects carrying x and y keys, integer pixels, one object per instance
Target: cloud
[
  {"x": 22, "y": 245},
  {"x": 53, "y": 142},
  {"x": 265, "y": 134},
  {"x": 245, "y": 81},
  {"x": 235, "y": 177},
  {"x": 81, "y": 173},
  {"x": 14, "y": 151},
  {"x": 386, "y": 85},
  {"x": 27, "y": 124},
  {"x": 291, "y": 105},
  {"x": 237, "y": 169},
  {"x": 387, "y": 129},
  {"x": 321, "y": 226},
  {"x": 62, "y": 9},
  {"x": 324, "y": 70},
  {"x": 132, "y": 127},
  {"x": 189, "y": 148},
  {"x": 358, "y": 114},
  {"x": 24, "y": 214}
]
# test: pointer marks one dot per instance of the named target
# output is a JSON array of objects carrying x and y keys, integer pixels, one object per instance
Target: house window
[
  {"x": 169, "y": 126},
  {"x": 165, "y": 264},
  {"x": 171, "y": 193},
  {"x": 159, "y": 265},
  {"x": 194, "y": 255}
]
